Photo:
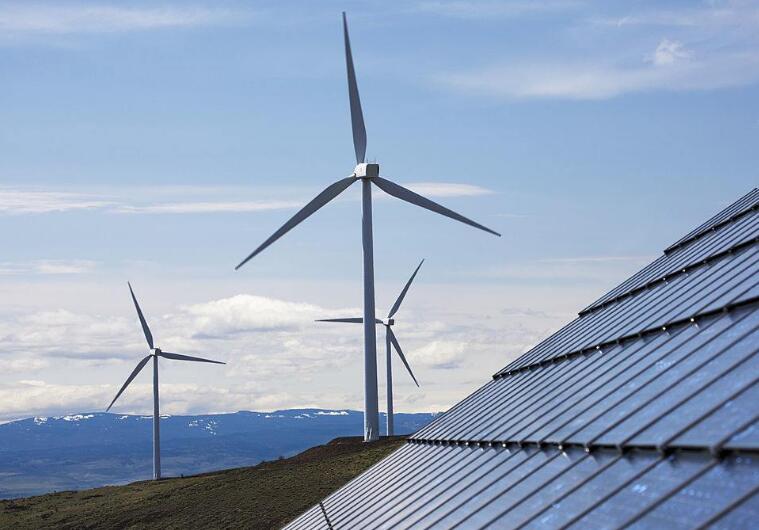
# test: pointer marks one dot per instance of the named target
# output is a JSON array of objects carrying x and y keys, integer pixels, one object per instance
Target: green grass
[{"x": 264, "y": 496}]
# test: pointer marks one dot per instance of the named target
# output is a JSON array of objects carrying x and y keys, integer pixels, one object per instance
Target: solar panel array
[{"x": 641, "y": 413}]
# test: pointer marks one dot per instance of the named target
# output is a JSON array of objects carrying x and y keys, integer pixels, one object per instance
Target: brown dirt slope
[{"x": 265, "y": 496}]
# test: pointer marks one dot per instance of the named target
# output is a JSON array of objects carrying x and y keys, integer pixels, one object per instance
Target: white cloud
[
  {"x": 440, "y": 354},
  {"x": 44, "y": 398},
  {"x": 65, "y": 334},
  {"x": 742, "y": 15},
  {"x": 709, "y": 47},
  {"x": 246, "y": 313},
  {"x": 447, "y": 189},
  {"x": 48, "y": 267},
  {"x": 209, "y": 207},
  {"x": 30, "y": 398},
  {"x": 277, "y": 357},
  {"x": 29, "y": 17},
  {"x": 584, "y": 80},
  {"x": 275, "y": 324},
  {"x": 667, "y": 52},
  {"x": 22, "y": 365},
  {"x": 14, "y": 201}
]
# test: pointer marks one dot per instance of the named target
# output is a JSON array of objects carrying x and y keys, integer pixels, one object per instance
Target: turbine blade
[
  {"x": 400, "y": 353},
  {"x": 407, "y": 195},
  {"x": 358, "y": 320},
  {"x": 357, "y": 117},
  {"x": 145, "y": 328},
  {"x": 401, "y": 296},
  {"x": 180, "y": 357},
  {"x": 320, "y": 200},
  {"x": 134, "y": 373}
]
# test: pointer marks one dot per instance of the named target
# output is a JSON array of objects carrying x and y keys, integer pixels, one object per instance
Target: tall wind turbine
[
  {"x": 367, "y": 174},
  {"x": 155, "y": 353},
  {"x": 390, "y": 339}
]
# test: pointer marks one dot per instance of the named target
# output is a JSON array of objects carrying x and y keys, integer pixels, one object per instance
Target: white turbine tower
[
  {"x": 155, "y": 353},
  {"x": 367, "y": 174},
  {"x": 390, "y": 340}
]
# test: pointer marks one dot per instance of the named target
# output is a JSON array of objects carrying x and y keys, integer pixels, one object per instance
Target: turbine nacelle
[
  {"x": 389, "y": 322},
  {"x": 366, "y": 171}
]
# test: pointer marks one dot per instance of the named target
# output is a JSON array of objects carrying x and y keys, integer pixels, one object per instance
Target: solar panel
[{"x": 642, "y": 413}]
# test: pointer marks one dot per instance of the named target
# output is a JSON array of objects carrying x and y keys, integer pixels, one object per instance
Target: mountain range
[{"x": 44, "y": 454}]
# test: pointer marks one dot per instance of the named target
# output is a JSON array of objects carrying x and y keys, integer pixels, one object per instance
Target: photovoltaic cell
[
  {"x": 748, "y": 201},
  {"x": 641, "y": 413},
  {"x": 742, "y": 514},
  {"x": 729, "y": 281},
  {"x": 744, "y": 230},
  {"x": 529, "y": 488},
  {"x": 617, "y": 392},
  {"x": 708, "y": 494}
]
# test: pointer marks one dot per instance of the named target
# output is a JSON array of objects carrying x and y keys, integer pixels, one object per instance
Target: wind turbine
[
  {"x": 155, "y": 353},
  {"x": 367, "y": 173},
  {"x": 389, "y": 339}
]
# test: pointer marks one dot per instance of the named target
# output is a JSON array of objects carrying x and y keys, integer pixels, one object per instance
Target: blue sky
[{"x": 162, "y": 142}]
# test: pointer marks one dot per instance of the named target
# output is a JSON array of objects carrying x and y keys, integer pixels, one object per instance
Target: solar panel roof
[{"x": 643, "y": 412}]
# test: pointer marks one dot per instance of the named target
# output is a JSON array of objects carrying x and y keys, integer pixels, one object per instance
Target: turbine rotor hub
[
  {"x": 366, "y": 171},
  {"x": 390, "y": 321}
]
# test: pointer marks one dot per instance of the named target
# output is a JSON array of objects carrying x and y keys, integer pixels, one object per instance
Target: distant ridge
[{"x": 85, "y": 450}]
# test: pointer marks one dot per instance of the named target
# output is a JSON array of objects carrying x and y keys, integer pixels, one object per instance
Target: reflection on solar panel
[{"x": 641, "y": 413}]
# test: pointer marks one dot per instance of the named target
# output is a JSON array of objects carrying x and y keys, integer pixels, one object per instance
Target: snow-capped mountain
[{"x": 85, "y": 450}]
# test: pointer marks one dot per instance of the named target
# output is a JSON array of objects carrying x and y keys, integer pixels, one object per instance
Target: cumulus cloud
[
  {"x": 22, "y": 365},
  {"x": 277, "y": 357},
  {"x": 33, "y": 397},
  {"x": 26, "y": 398},
  {"x": 63, "y": 333},
  {"x": 440, "y": 354},
  {"x": 247, "y": 313},
  {"x": 262, "y": 339}
]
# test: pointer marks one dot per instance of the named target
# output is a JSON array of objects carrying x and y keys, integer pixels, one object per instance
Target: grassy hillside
[{"x": 265, "y": 496}]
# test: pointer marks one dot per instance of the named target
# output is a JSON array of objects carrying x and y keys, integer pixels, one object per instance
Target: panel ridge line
[
  {"x": 701, "y": 233},
  {"x": 685, "y": 270},
  {"x": 620, "y": 340}
]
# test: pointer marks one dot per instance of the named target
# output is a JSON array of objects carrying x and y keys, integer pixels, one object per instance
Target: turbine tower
[
  {"x": 390, "y": 339},
  {"x": 367, "y": 174},
  {"x": 155, "y": 353}
]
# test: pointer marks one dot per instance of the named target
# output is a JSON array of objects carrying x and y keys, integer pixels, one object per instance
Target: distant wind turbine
[
  {"x": 367, "y": 174},
  {"x": 389, "y": 339},
  {"x": 155, "y": 353}
]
